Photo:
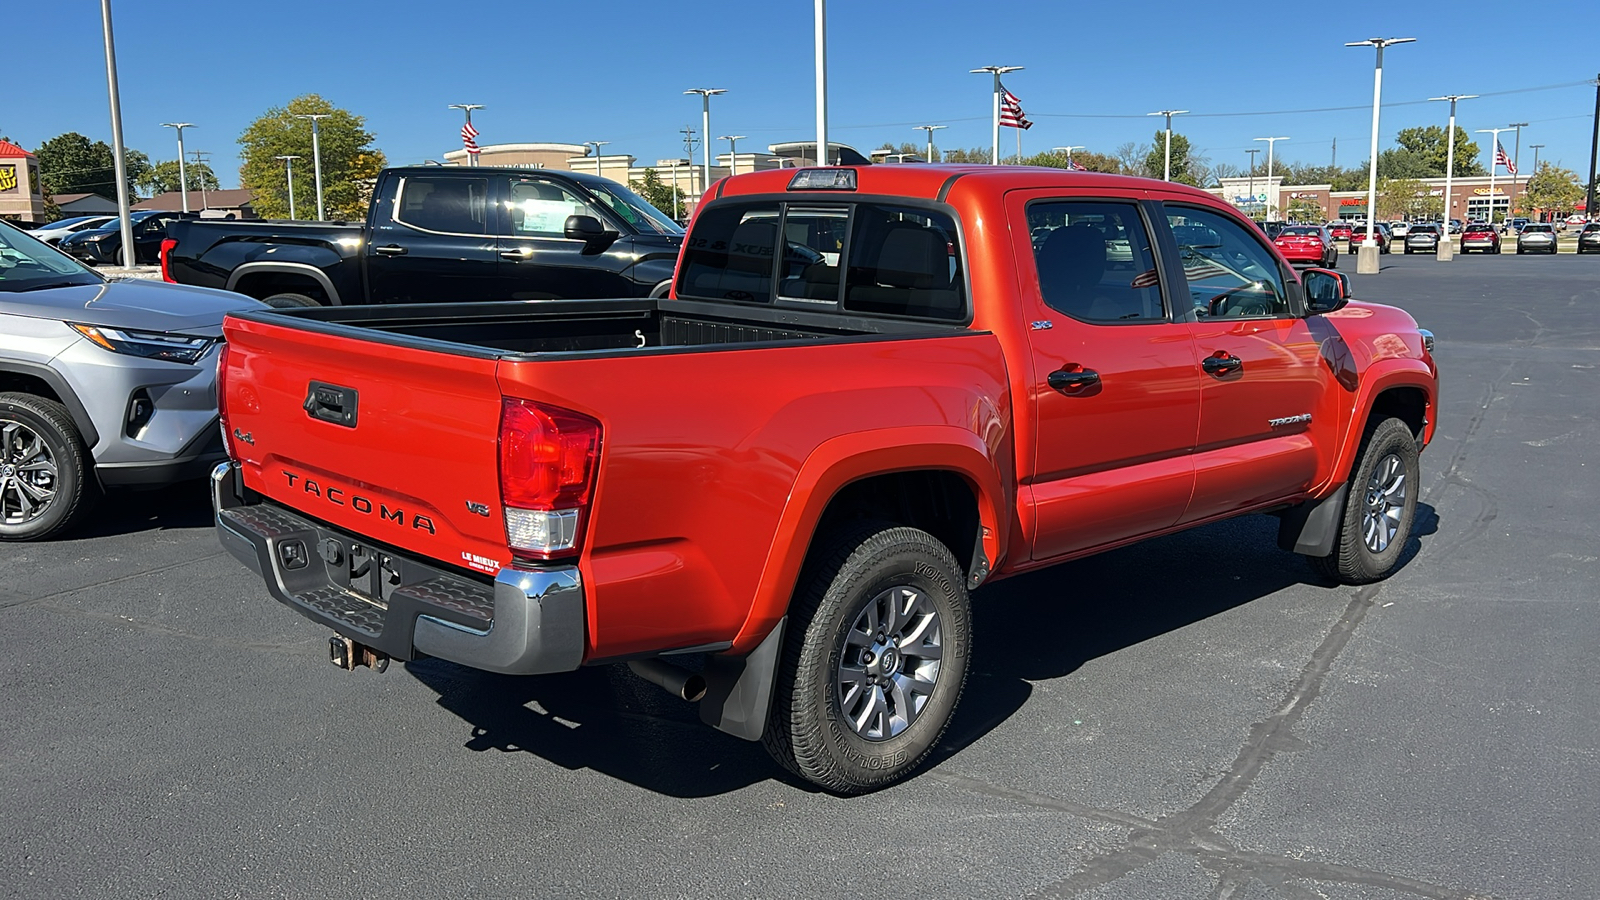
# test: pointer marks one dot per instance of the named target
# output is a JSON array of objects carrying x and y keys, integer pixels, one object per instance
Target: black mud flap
[{"x": 739, "y": 688}]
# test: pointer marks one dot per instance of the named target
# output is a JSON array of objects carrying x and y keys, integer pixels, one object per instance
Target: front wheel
[
  {"x": 1379, "y": 507},
  {"x": 46, "y": 477},
  {"x": 875, "y": 661}
]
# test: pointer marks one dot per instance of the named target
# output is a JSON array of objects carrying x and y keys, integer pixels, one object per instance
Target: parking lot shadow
[
  {"x": 1030, "y": 628},
  {"x": 183, "y": 505}
]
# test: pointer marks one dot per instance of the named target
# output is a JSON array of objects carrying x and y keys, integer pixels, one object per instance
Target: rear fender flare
[
  {"x": 849, "y": 458},
  {"x": 286, "y": 268}
]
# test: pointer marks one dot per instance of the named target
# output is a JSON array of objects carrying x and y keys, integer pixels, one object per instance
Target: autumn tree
[
  {"x": 350, "y": 164},
  {"x": 72, "y": 164},
  {"x": 1553, "y": 190}
]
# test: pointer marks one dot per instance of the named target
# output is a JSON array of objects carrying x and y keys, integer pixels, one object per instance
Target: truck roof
[{"x": 929, "y": 181}]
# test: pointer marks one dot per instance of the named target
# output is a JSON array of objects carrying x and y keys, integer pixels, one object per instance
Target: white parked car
[{"x": 55, "y": 231}]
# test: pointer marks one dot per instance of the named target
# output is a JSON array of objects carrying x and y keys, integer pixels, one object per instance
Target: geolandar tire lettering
[
  {"x": 1379, "y": 507},
  {"x": 875, "y": 661}
]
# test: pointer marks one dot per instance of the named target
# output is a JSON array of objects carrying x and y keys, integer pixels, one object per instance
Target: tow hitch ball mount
[{"x": 347, "y": 655}]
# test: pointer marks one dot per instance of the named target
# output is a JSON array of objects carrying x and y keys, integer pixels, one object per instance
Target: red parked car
[
  {"x": 1480, "y": 236},
  {"x": 1310, "y": 244},
  {"x": 1358, "y": 235},
  {"x": 1340, "y": 231}
]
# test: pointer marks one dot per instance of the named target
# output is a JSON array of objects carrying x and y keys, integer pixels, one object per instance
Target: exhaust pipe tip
[{"x": 680, "y": 683}]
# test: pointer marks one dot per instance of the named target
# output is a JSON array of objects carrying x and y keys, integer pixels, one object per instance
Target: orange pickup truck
[{"x": 870, "y": 391}]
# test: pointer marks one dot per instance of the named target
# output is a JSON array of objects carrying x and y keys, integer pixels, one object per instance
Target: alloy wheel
[
  {"x": 28, "y": 474},
  {"x": 1386, "y": 502},
  {"x": 890, "y": 663}
]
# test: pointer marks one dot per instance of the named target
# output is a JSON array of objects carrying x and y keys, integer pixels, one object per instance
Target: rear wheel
[
  {"x": 875, "y": 661},
  {"x": 1379, "y": 507},
  {"x": 289, "y": 301},
  {"x": 45, "y": 477}
]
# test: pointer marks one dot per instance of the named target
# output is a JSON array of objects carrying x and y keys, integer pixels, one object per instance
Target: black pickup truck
[{"x": 439, "y": 234}]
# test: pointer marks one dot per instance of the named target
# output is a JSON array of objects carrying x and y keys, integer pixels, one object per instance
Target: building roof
[
  {"x": 9, "y": 150},
  {"x": 59, "y": 199},
  {"x": 173, "y": 200}
]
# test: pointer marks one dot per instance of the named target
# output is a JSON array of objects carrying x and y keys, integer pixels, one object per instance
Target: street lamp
[
  {"x": 1271, "y": 142},
  {"x": 1068, "y": 151},
  {"x": 733, "y": 144},
  {"x": 996, "y": 71},
  {"x": 1367, "y": 259},
  {"x": 1166, "y": 167},
  {"x": 1494, "y": 167},
  {"x": 1535, "y": 148},
  {"x": 472, "y": 158},
  {"x": 118, "y": 153},
  {"x": 930, "y": 129},
  {"x": 288, "y": 163},
  {"x": 705, "y": 129},
  {"x": 1516, "y": 164},
  {"x": 596, "y": 145},
  {"x": 1253, "y": 151},
  {"x": 316, "y": 155},
  {"x": 183, "y": 173},
  {"x": 1446, "y": 249}
]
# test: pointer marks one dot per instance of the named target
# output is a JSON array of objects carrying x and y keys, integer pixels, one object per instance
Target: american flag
[
  {"x": 1078, "y": 166},
  {"x": 469, "y": 139},
  {"x": 1501, "y": 159},
  {"x": 1011, "y": 114}
]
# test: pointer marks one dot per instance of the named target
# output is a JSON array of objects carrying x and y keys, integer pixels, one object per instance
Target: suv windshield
[
  {"x": 634, "y": 209},
  {"x": 27, "y": 264}
]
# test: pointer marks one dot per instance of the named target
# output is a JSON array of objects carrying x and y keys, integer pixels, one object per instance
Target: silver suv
[{"x": 102, "y": 383}]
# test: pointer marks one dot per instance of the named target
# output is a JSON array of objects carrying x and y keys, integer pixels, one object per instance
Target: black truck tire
[
  {"x": 289, "y": 301},
  {"x": 46, "y": 479},
  {"x": 1376, "y": 523},
  {"x": 858, "y": 708}
]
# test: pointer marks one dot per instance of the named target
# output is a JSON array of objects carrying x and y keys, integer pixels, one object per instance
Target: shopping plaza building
[{"x": 1271, "y": 199}]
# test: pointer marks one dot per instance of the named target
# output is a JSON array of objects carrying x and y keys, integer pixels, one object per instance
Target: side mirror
[
  {"x": 1326, "y": 290},
  {"x": 589, "y": 230}
]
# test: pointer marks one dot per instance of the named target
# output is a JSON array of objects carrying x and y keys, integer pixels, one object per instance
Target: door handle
[
  {"x": 519, "y": 253},
  {"x": 390, "y": 250},
  {"x": 1063, "y": 380},
  {"x": 1221, "y": 364}
]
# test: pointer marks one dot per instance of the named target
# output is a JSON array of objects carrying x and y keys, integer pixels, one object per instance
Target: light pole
[
  {"x": 1367, "y": 258},
  {"x": 316, "y": 155},
  {"x": 705, "y": 129},
  {"x": 1516, "y": 165},
  {"x": 930, "y": 129},
  {"x": 1494, "y": 167},
  {"x": 1253, "y": 151},
  {"x": 1446, "y": 250},
  {"x": 1068, "y": 151},
  {"x": 821, "y": 23},
  {"x": 472, "y": 158},
  {"x": 1535, "y": 148},
  {"x": 183, "y": 173},
  {"x": 1271, "y": 142},
  {"x": 733, "y": 144},
  {"x": 1166, "y": 167},
  {"x": 288, "y": 163},
  {"x": 996, "y": 71},
  {"x": 118, "y": 154},
  {"x": 596, "y": 145}
]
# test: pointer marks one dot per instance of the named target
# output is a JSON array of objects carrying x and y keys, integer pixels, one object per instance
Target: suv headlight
[{"x": 180, "y": 348}]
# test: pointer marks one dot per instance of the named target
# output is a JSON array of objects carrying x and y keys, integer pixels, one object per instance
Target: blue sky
[{"x": 614, "y": 71}]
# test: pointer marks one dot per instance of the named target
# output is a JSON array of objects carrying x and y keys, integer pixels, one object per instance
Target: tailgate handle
[{"x": 331, "y": 403}]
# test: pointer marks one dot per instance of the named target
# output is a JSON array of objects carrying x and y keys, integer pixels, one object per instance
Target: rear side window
[
  {"x": 450, "y": 205},
  {"x": 728, "y": 255},
  {"x": 904, "y": 262}
]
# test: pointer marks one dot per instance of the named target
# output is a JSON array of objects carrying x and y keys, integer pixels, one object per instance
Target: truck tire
[
  {"x": 289, "y": 301},
  {"x": 46, "y": 484},
  {"x": 1378, "y": 509},
  {"x": 875, "y": 661}
]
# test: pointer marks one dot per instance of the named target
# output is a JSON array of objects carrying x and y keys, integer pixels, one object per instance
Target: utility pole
[
  {"x": 1446, "y": 250},
  {"x": 183, "y": 174},
  {"x": 288, "y": 162},
  {"x": 1516, "y": 167},
  {"x": 1166, "y": 166},
  {"x": 1253, "y": 151},
  {"x": 1333, "y": 161},
  {"x": 689, "y": 143},
  {"x": 316, "y": 155},
  {"x": 1589, "y": 211},
  {"x": 997, "y": 71},
  {"x": 202, "y": 160},
  {"x": 468, "y": 132},
  {"x": 930, "y": 129},
  {"x": 1271, "y": 142},
  {"x": 705, "y": 129},
  {"x": 1367, "y": 256},
  {"x": 118, "y": 153}
]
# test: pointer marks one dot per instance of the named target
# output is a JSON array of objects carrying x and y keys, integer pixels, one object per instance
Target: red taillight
[
  {"x": 166, "y": 271},
  {"x": 222, "y": 396},
  {"x": 548, "y": 461}
]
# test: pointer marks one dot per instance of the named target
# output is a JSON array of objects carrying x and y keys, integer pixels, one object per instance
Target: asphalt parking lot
[{"x": 1195, "y": 717}]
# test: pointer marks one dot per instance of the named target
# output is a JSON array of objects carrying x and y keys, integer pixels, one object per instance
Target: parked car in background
[
  {"x": 1358, "y": 236},
  {"x": 1422, "y": 238},
  {"x": 103, "y": 246},
  {"x": 1589, "y": 238},
  {"x": 1455, "y": 226},
  {"x": 1480, "y": 236},
  {"x": 448, "y": 234},
  {"x": 1273, "y": 229},
  {"x": 1575, "y": 223},
  {"x": 102, "y": 383},
  {"x": 55, "y": 231},
  {"x": 1399, "y": 229},
  {"x": 1307, "y": 244},
  {"x": 1536, "y": 237},
  {"x": 1340, "y": 230}
]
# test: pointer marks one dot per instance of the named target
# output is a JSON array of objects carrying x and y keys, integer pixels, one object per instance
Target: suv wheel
[
  {"x": 1378, "y": 509},
  {"x": 876, "y": 660},
  {"x": 44, "y": 469}
]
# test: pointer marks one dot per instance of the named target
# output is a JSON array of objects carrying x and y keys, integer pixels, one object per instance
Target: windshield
[
  {"x": 27, "y": 264},
  {"x": 68, "y": 223},
  {"x": 633, "y": 209}
]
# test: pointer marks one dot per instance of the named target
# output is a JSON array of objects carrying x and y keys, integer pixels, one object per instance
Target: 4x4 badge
[
  {"x": 481, "y": 509},
  {"x": 245, "y": 436}
]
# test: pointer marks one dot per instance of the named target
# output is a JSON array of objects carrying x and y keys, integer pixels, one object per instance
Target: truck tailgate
[{"x": 397, "y": 444}]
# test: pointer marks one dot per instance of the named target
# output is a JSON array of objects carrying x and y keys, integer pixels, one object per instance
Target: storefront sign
[{"x": 8, "y": 179}]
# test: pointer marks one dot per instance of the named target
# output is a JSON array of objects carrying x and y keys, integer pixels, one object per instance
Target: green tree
[
  {"x": 1407, "y": 198},
  {"x": 163, "y": 177},
  {"x": 1426, "y": 145},
  {"x": 71, "y": 164},
  {"x": 1094, "y": 162},
  {"x": 1186, "y": 168},
  {"x": 1552, "y": 190},
  {"x": 658, "y": 194},
  {"x": 979, "y": 155},
  {"x": 350, "y": 163},
  {"x": 1304, "y": 210}
]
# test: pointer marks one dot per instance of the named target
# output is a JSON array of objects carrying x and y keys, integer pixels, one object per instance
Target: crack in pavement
[{"x": 12, "y": 601}]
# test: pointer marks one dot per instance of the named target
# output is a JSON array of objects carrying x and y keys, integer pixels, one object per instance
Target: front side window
[
  {"x": 728, "y": 255},
  {"x": 1095, "y": 261},
  {"x": 1229, "y": 272},
  {"x": 904, "y": 262},
  {"x": 450, "y": 205},
  {"x": 539, "y": 207}
]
